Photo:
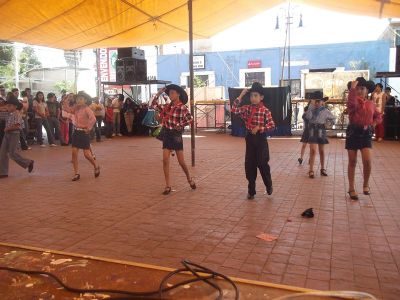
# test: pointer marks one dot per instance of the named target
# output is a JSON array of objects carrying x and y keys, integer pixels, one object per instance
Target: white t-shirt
[
  {"x": 39, "y": 107},
  {"x": 116, "y": 104}
]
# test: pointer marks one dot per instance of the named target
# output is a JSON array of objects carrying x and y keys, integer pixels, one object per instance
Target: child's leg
[
  {"x": 75, "y": 159},
  {"x": 250, "y": 165},
  {"x": 4, "y": 156},
  {"x": 321, "y": 150},
  {"x": 89, "y": 157},
  {"x": 262, "y": 161},
  {"x": 313, "y": 150},
  {"x": 166, "y": 154},
  {"x": 12, "y": 151},
  {"x": 303, "y": 149},
  {"x": 181, "y": 160}
]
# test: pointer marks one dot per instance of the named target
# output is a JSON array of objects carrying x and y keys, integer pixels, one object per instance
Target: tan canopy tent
[{"x": 79, "y": 24}]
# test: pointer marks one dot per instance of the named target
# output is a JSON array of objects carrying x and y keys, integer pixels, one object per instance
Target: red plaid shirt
[
  {"x": 174, "y": 116},
  {"x": 254, "y": 115}
]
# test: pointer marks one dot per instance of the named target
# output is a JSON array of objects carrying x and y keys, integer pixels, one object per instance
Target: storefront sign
[
  {"x": 252, "y": 64},
  {"x": 198, "y": 62},
  {"x": 106, "y": 64}
]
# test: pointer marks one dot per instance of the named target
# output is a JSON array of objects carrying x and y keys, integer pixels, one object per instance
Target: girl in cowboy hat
[
  {"x": 174, "y": 117},
  {"x": 83, "y": 119},
  {"x": 318, "y": 115},
  {"x": 363, "y": 116}
]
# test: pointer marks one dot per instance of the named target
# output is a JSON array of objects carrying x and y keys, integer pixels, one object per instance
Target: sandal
[
  {"x": 167, "y": 190},
  {"x": 97, "y": 172},
  {"x": 76, "y": 177},
  {"x": 366, "y": 190},
  {"x": 353, "y": 195},
  {"x": 192, "y": 184},
  {"x": 300, "y": 160},
  {"x": 311, "y": 174},
  {"x": 323, "y": 172}
]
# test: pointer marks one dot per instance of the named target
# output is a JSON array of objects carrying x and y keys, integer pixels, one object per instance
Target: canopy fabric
[{"x": 83, "y": 24}]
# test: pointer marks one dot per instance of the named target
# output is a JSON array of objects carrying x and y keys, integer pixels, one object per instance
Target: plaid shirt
[
  {"x": 259, "y": 114},
  {"x": 13, "y": 119},
  {"x": 174, "y": 116}
]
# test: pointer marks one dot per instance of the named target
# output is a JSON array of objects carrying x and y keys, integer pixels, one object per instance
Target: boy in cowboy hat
[
  {"x": 11, "y": 138},
  {"x": 258, "y": 121}
]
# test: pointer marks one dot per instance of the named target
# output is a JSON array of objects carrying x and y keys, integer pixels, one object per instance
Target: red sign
[{"x": 251, "y": 64}]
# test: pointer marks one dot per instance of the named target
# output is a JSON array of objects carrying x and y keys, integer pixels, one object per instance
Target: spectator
[
  {"x": 54, "y": 116},
  {"x": 117, "y": 105},
  {"x": 24, "y": 126},
  {"x": 128, "y": 110},
  {"x": 3, "y": 117},
  {"x": 64, "y": 122},
  {"x": 98, "y": 110},
  {"x": 109, "y": 115},
  {"x": 2, "y": 93},
  {"x": 15, "y": 91},
  {"x": 41, "y": 114}
]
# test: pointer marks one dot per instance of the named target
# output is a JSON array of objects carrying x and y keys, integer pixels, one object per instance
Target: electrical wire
[{"x": 200, "y": 273}]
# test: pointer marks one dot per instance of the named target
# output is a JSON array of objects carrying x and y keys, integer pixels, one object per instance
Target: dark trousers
[
  {"x": 39, "y": 135},
  {"x": 109, "y": 129},
  {"x": 99, "y": 120},
  {"x": 2, "y": 126},
  {"x": 257, "y": 156}
]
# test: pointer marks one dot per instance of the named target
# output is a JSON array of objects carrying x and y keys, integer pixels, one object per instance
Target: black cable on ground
[{"x": 190, "y": 267}]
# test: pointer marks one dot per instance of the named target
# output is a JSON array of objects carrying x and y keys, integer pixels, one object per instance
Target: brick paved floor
[{"x": 122, "y": 214}]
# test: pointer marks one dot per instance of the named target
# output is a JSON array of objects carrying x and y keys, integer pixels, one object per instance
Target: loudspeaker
[
  {"x": 131, "y": 69},
  {"x": 131, "y": 52},
  {"x": 120, "y": 71}
]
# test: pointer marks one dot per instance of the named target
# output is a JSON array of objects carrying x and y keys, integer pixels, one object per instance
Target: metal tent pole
[{"x": 191, "y": 82}]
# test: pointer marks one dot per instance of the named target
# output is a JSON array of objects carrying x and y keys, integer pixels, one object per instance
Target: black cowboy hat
[
  {"x": 183, "y": 96},
  {"x": 362, "y": 82},
  {"x": 256, "y": 87},
  {"x": 319, "y": 96},
  {"x": 370, "y": 86},
  {"x": 11, "y": 99}
]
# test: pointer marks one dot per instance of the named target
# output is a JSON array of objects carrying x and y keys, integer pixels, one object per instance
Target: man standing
[
  {"x": 54, "y": 116},
  {"x": 117, "y": 105}
]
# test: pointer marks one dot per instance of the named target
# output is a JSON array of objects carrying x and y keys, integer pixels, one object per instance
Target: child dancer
[
  {"x": 11, "y": 139},
  {"x": 258, "y": 121},
  {"x": 304, "y": 136},
  {"x": 174, "y": 117},
  {"x": 363, "y": 116},
  {"x": 318, "y": 115},
  {"x": 83, "y": 119}
]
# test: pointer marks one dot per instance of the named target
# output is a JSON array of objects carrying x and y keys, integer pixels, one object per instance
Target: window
[
  {"x": 199, "y": 81},
  {"x": 250, "y": 77},
  {"x": 295, "y": 87}
]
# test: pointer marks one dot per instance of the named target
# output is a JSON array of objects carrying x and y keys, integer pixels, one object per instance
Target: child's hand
[
  {"x": 244, "y": 92},
  {"x": 354, "y": 84},
  {"x": 255, "y": 129}
]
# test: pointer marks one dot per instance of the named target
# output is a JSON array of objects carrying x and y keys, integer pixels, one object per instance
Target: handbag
[{"x": 159, "y": 133}]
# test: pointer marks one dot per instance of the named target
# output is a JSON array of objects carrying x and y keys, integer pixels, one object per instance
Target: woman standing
[
  {"x": 363, "y": 116},
  {"x": 174, "y": 117},
  {"x": 64, "y": 122},
  {"x": 83, "y": 119},
  {"x": 128, "y": 109},
  {"x": 317, "y": 115},
  {"x": 379, "y": 98},
  {"x": 41, "y": 114}
]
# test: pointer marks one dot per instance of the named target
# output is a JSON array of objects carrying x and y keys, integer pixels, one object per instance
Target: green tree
[
  {"x": 64, "y": 85},
  {"x": 28, "y": 60},
  {"x": 198, "y": 82},
  {"x": 6, "y": 64}
]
